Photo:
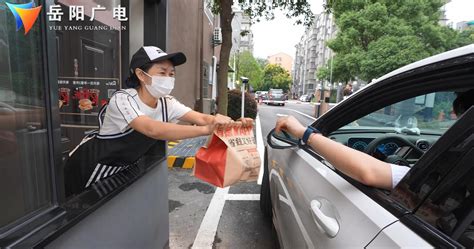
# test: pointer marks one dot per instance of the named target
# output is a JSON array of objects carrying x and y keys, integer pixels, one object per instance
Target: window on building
[{"x": 25, "y": 185}]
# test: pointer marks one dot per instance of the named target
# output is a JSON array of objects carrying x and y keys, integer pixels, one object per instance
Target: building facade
[
  {"x": 242, "y": 40},
  {"x": 282, "y": 59},
  {"x": 246, "y": 40},
  {"x": 312, "y": 53}
]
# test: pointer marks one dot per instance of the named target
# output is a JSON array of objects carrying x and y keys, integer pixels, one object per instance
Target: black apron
[{"x": 101, "y": 156}]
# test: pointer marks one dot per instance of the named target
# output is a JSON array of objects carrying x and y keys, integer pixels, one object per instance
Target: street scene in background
[{"x": 236, "y": 124}]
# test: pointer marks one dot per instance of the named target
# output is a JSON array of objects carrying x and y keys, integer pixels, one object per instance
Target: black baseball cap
[{"x": 150, "y": 54}]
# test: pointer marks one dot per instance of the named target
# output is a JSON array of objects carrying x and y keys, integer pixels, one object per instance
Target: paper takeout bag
[{"x": 230, "y": 156}]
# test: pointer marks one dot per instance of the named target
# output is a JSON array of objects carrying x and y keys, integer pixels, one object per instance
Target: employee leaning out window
[{"x": 135, "y": 118}]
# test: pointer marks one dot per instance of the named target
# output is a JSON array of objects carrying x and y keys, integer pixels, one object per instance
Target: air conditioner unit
[{"x": 217, "y": 37}]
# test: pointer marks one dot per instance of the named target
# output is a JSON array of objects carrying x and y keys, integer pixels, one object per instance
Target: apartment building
[
  {"x": 312, "y": 53},
  {"x": 282, "y": 59}
]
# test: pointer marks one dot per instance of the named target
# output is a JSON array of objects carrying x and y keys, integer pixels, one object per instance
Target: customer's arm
[{"x": 358, "y": 165}]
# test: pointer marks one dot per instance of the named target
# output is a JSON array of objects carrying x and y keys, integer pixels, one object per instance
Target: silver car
[
  {"x": 276, "y": 97},
  {"x": 404, "y": 117}
]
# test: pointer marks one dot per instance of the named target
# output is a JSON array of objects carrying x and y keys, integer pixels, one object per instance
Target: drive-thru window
[{"x": 53, "y": 81}]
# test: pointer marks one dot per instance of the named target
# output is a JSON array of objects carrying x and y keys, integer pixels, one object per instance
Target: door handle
[{"x": 328, "y": 225}]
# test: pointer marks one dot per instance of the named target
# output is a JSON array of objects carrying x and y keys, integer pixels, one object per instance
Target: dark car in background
[
  {"x": 404, "y": 117},
  {"x": 276, "y": 97}
]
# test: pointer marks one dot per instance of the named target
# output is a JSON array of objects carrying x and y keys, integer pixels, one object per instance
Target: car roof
[{"x": 469, "y": 49}]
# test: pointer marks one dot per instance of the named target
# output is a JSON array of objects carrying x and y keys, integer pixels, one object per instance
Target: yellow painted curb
[
  {"x": 171, "y": 160},
  {"x": 180, "y": 162},
  {"x": 188, "y": 163}
]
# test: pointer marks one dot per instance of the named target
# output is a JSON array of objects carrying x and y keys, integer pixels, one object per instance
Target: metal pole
[
  {"x": 243, "y": 99},
  {"x": 330, "y": 75}
]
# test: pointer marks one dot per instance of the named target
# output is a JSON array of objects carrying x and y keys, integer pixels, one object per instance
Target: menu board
[{"x": 80, "y": 99}]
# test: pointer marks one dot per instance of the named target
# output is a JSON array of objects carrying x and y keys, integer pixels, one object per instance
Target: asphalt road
[{"x": 238, "y": 222}]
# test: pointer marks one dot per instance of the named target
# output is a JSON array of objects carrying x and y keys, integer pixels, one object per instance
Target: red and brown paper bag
[{"x": 229, "y": 157}]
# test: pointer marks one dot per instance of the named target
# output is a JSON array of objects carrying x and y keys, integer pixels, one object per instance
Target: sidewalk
[{"x": 181, "y": 153}]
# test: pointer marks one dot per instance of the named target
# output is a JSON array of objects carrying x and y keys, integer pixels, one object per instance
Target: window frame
[
  {"x": 413, "y": 221},
  {"x": 43, "y": 226}
]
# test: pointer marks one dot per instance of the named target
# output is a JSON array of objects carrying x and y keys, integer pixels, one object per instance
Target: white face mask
[{"x": 160, "y": 85}]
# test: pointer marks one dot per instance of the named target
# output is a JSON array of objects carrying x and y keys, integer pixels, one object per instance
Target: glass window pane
[
  {"x": 25, "y": 184},
  {"x": 88, "y": 63},
  {"x": 426, "y": 114}
]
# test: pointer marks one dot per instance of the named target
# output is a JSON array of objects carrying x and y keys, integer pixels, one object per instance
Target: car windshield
[
  {"x": 277, "y": 91},
  {"x": 426, "y": 114}
]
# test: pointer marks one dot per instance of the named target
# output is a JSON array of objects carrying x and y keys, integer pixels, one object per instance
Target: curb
[{"x": 181, "y": 162}]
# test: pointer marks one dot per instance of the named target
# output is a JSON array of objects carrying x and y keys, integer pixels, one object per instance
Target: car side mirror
[{"x": 281, "y": 140}]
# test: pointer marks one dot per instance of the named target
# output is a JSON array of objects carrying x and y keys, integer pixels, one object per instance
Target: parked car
[
  {"x": 276, "y": 97},
  {"x": 305, "y": 98},
  {"x": 260, "y": 94},
  {"x": 404, "y": 115}
]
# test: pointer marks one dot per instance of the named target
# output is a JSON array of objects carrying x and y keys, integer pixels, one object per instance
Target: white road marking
[
  {"x": 207, "y": 231},
  {"x": 242, "y": 197},
  {"x": 260, "y": 148},
  {"x": 304, "y": 114}
]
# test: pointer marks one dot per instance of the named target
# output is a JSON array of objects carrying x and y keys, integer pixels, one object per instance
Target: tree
[
  {"x": 256, "y": 10},
  {"x": 377, "y": 36},
  {"x": 248, "y": 67},
  {"x": 276, "y": 76},
  {"x": 262, "y": 62}
]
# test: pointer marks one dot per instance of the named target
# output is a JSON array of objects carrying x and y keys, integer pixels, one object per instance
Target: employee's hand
[
  {"x": 291, "y": 125},
  {"x": 246, "y": 121},
  {"x": 222, "y": 120},
  {"x": 209, "y": 128}
]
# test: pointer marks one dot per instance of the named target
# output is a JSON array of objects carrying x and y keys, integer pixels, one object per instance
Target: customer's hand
[
  {"x": 222, "y": 120},
  {"x": 291, "y": 125}
]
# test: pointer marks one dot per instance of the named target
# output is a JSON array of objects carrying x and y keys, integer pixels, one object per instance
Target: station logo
[{"x": 25, "y": 14}]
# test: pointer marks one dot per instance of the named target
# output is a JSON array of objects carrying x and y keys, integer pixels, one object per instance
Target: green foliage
[
  {"x": 377, "y": 36},
  {"x": 323, "y": 73},
  {"x": 276, "y": 76},
  {"x": 234, "y": 108},
  {"x": 262, "y": 62},
  {"x": 248, "y": 67}
]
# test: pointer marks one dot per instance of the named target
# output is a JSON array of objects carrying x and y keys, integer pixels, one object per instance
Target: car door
[
  {"x": 443, "y": 204},
  {"x": 316, "y": 206}
]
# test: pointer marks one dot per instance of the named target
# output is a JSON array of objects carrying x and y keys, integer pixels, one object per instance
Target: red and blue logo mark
[{"x": 25, "y": 14}]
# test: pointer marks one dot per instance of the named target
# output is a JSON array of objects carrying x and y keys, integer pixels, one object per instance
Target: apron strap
[{"x": 164, "y": 109}]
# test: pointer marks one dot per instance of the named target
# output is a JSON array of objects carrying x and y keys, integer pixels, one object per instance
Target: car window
[{"x": 425, "y": 114}]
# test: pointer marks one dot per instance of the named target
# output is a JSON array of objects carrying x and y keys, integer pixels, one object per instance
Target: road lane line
[
  {"x": 260, "y": 148},
  {"x": 207, "y": 231},
  {"x": 304, "y": 114},
  {"x": 242, "y": 197}
]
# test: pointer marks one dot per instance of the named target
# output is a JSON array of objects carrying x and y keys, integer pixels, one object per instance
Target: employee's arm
[
  {"x": 358, "y": 165},
  {"x": 198, "y": 118},
  {"x": 168, "y": 131}
]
